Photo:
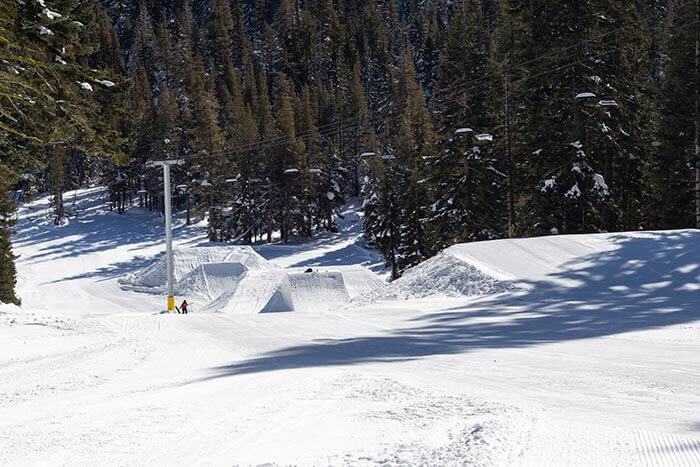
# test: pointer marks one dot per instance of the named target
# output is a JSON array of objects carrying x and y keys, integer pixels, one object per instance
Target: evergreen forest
[{"x": 444, "y": 121}]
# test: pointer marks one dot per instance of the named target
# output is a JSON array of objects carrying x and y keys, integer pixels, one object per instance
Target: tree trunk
[
  {"x": 509, "y": 161},
  {"x": 57, "y": 177}
]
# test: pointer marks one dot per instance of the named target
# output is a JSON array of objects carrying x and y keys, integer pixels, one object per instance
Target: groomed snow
[
  {"x": 486, "y": 268},
  {"x": 235, "y": 279},
  {"x": 152, "y": 279},
  {"x": 592, "y": 360}
]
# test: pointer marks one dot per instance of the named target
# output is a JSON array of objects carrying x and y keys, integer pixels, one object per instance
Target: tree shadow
[
  {"x": 350, "y": 255},
  {"x": 95, "y": 231},
  {"x": 652, "y": 280},
  {"x": 112, "y": 271}
]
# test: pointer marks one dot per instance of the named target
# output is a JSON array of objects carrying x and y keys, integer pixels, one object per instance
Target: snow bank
[
  {"x": 12, "y": 315},
  {"x": 9, "y": 314}
]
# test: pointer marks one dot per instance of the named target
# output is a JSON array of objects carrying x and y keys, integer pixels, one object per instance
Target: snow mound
[
  {"x": 236, "y": 279},
  {"x": 152, "y": 279},
  {"x": 445, "y": 274},
  {"x": 274, "y": 291},
  {"x": 358, "y": 279}
]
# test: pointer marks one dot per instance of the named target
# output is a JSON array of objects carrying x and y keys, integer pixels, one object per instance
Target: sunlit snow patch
[{"x": 236, "y": 279}]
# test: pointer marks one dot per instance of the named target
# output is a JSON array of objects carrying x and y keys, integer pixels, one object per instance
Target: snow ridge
[{"x": 443, "y": 275}]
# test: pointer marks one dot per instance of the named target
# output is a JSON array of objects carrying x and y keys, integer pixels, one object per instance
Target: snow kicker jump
[{"x": 236, "y": 279}]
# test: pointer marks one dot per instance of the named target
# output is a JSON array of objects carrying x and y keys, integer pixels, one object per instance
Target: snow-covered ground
[{"x": 572, "y": 350}]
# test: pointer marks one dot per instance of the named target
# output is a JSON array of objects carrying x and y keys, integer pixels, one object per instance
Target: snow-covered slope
[
  {"x": 211, "y": 280},
  {"x": 593, "y": 362},
  {"x": 484, "y": 268}
]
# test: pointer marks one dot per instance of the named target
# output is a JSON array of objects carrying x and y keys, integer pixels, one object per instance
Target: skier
[{"x": 183, "y": 307}]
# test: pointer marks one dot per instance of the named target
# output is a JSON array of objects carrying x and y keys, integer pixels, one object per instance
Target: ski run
[{"x": 560, "y": 350}]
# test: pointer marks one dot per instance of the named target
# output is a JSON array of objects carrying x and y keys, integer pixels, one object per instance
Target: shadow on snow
[
  {"x": 651, "y": 281},
  {"x": 91, "y": 233}
]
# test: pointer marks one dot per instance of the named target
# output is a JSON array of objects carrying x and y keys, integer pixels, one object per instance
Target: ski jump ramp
[
  {"x": 235, "y": 279},
  {"x": 280, "y": 291}
]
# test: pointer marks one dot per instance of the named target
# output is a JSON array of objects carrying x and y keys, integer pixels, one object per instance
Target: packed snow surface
[
  {"x": 235, "y": 279},
  {"x": 564, "y": 350},
  {"x": 318, "y": 290},
  {"x": 152, "y": 279},
  {"x": 485, "y": 268},
  {"x": 210, "y": 280}
]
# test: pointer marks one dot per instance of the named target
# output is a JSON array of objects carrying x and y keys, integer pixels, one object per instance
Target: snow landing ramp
[
  {"x": 210, "y": 280},
  {"x": 496, "y": 266},
  {"x": 280, "y": 291}
]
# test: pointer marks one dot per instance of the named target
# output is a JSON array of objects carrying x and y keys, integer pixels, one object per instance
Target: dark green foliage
[
  {"x": 8, "y": 273},
  {"x": 60, "y": 104},
  {"x": 272, "y": 103},
  {"x": 467, "y": 182},
  {"x": 670, "y": 173}
]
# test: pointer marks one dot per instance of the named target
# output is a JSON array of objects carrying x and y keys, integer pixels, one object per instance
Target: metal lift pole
[{"x": 168, "y": 224}]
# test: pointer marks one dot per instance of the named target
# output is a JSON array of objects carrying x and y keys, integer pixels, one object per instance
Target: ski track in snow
[{"x": 90, "y": 375}]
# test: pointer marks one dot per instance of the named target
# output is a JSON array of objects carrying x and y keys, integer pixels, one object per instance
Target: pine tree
[
  {"x": 596, "y": 149},
  {"x": 8, "y": 273},
  {"x": 206, "y": 141},
  {"x": 414, "y": 146},
  {"x": 220, "y": 39},
  {"x": 143, "y": 51},
  {"x": 468, "y": 184},
  {"x": 53, "y": 97},
  {"x": 382, "y": 220},
  {"x": 397, "y": 213},
  {"x": 671, "y": 171},
  {"x": 359, "y": 134},
  {"x": 286, "y": 159}
]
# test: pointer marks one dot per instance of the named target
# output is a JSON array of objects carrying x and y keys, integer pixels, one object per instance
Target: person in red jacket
[{"x": 183, "y": 307}]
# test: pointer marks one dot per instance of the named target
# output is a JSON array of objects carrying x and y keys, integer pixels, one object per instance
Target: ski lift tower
[{"x": 168, "y": 223}]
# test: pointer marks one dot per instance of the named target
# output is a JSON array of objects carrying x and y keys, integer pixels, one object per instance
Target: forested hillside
[{"x": 456, "y": 121}]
